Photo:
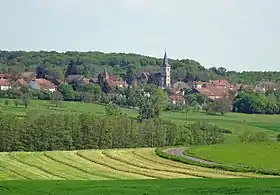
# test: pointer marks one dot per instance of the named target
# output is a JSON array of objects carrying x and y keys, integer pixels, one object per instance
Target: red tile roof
[
  {"x": 220, "y": 83},
  {"x": 4, "y": 82},
  {"x": 211, "y": 91},
  {"x": 6, "y": 76},
  {"x": 115, "y": 83},
  {"x": 44, "y": 84}
]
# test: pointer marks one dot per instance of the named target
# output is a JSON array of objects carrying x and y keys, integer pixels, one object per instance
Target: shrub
[
  {"x": 278, "y": 137},
  {"x": 250, "y": 137},
  {"x": 6, "y": 102}
]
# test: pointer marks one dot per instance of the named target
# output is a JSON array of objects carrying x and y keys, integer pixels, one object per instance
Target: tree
[
  {"x": 278, "y": 137},
  {"x": 71, "y": 69},
  {"x": 57, "y": 98},
  {"x": 221, "y": 106},
  {"x": 16, "y": 103},
  {"x": 67, "y": 92},
  {"x": 112, "y": 110},
  {"x": 41, "y": 72},
  {"x": 151, "y": 100},
  {"x": 6, "y": 103},
  {"x": 129, "y": 75},
  {"x": 25, "y": 100}
]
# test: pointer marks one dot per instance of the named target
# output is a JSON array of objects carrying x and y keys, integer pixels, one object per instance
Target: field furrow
[
  {"x": 104, "y": 172},
  {"x": 126, "y": 156},
  {"x": 55, "y": 169},
  {"x": 110, "y": 164},
  {"x": 103, "y": 159},
  {"x": 21, "y": 169}
]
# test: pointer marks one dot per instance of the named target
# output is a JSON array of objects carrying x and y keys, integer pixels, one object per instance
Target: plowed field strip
[
  {"x": 38, "y": 169},
  {"x": 102, "y": 159},
  {"x": 57, "y": 169},
  {"x": 98, "y": 171},
  {"x": 128, "y": 158},
  {"x": 23, "y": 169}
]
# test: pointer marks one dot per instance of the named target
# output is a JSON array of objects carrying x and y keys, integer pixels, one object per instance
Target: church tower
[{"x": 165, "y": 73}]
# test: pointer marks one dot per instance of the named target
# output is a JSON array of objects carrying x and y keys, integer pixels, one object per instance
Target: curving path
[{"x": 180, "y": 152}]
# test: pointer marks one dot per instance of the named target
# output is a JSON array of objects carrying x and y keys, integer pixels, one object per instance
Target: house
[
  {"x": 264, "y": 86},
  {"x": 212, "y": 92},
  {"x": 20, "y": 83},
  {"x": 27, "y": 76},
  {"x": 180, "y": 88},
  {"x": 4, "y": 84},
  {"x": 111, "y": 81},
  {"x": 80, "y": 79},
  {"x": 220, "y": 83},
  {"x": 42, "y": 84},
  {"x": 177, "y": 99},
  {"x": 198, "y": 84},
  {"x": 6, "y": 76}
]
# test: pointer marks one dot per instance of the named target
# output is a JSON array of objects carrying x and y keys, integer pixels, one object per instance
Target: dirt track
[{"x": 180, "y": 152}]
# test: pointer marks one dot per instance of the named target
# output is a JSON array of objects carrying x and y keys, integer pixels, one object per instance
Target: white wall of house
[
  {"x": 52, "y": 90},
  {"x": 4, "y": 88}
]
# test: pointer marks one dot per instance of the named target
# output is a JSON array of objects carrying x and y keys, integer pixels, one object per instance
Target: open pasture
[
  {"x": 261, "y": 156},
  {"x": 141, "y": 187}
]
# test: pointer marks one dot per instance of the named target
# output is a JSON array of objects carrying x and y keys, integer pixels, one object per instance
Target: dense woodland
[
  {"x": 92, "y": 63},
  {"x": 86, "y": 131}
]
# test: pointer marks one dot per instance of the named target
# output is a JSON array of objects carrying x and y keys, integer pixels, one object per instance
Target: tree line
[
  {"x": 55, "y": 131},
  {"x": 257, "y": 103},
  {"x": 91, "y": 64}
]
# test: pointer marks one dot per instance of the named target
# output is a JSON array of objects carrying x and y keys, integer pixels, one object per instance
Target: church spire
[{"x": 165, "y": 59}]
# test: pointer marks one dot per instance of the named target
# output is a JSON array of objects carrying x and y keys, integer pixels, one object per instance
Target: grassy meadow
[
  {"x": 144, "y": 187},
  {"x": 256, "y": 155}
]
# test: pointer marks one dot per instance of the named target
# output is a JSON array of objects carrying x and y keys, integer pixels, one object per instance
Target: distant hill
[{"x": 92, "y": 63}]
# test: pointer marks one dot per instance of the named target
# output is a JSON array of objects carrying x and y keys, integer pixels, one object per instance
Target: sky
[{"x": 236, "y": 34}]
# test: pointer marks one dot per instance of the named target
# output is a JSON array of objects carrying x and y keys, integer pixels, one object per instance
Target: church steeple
[
  {"x": 165, "y": 73},
  {"x": 165, "y": 59}
]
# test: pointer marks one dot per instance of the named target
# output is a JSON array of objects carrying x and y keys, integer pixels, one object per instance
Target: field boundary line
[
  {"x": 69, "y": 165},
  {"x": 148, "y": 168},
  {"x": 104, "y": 164}
]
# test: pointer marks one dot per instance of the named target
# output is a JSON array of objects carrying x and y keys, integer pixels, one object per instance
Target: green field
[
  {"x": 257, "y": 155},
  {"x": 234, "y": 121},
  {"x": 123, "y": 164},
  {"x": 146, "y": 187}
]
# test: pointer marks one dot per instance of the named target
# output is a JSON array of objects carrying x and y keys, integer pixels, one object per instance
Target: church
[{"x": 162, "y": 79}]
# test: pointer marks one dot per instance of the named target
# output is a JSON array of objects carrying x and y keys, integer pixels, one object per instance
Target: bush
[
  {"x": 278, "y": 137},
  {"x": 250, "y": 137}
]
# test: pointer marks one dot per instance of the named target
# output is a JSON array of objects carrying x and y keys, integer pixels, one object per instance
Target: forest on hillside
[{"x": 91, "y": 64}]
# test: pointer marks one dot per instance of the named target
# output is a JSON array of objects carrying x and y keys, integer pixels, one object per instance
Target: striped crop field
[{"x": 125, "y": 164}]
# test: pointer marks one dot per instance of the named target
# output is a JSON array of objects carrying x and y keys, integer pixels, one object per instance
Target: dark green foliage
[
  {"x": 6, "y": 102},
  {"x": 151, "y": 100},
  {"x": 144, "y": 187},
  {"x": 251, "y": 136},
  {"x": 41, "y": 132},
  {"x": 220, "y": 106},
  {"x": 278, "y": 137},
  {"x": 259, "y": 103}
]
